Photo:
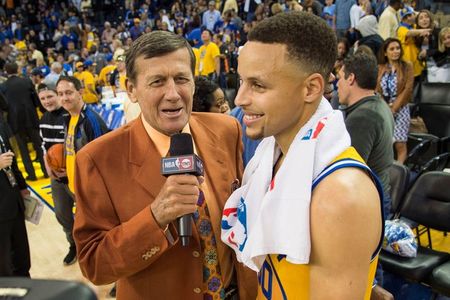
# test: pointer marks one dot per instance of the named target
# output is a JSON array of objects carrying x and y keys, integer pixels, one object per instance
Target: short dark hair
[
  {"x": 394, "y": 2},
  {"x": 74, "y": 80},
  {"x": 308, "y": 38},
  {"x": 364, "y": 66},
  {"x": 203, "y": 96},
  {"x": 154, "y": 44},
  {"x": 11, "y": 68}
]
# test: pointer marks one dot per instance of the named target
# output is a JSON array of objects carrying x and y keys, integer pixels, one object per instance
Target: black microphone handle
[{"x": 185, "y": 229}]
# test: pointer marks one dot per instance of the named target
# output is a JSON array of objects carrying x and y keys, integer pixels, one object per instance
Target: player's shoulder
[{"x": 346, "y": 190}]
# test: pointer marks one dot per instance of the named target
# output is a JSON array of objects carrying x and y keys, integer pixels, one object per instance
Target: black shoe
[
  {"x": 112, "y": 292},
  {"x": 71, "y": 257}
]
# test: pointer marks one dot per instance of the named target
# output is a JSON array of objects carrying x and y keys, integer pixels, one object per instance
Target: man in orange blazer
[{"x": 126, "y": 210}]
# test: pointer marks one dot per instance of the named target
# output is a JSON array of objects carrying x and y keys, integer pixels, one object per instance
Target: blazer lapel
[
  {"x": 145, "y": 156},
  {"x": 208, "y": 147}
]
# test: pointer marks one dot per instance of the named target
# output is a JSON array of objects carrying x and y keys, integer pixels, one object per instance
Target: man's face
[
  {"x": 206, "y": 36},
  {"x": 272, "y": 95},
  {"x": 49, "y": 100},
  {"x": 329, "y": 88},
  {"x": 71, "y": 99},
  {"x": 164, "y": 91},
  {"x": 410, "y": 19},
  {"x": 343, "y": 87}
]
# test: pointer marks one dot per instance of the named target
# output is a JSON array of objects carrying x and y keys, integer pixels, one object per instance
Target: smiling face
[
  {"x": 71, "y": 99},
  {"x": 272, "y": 95},
  {"x": 220, "y": 104},
  {"x": 164, "y": 90},
  {"x": 49, "y": 100}
]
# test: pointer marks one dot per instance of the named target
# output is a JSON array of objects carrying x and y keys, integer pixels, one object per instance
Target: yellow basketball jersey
[{"x": 279, "y": 279}]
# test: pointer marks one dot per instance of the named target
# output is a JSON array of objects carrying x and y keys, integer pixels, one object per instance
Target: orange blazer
[{"x": 117, "y": 178}]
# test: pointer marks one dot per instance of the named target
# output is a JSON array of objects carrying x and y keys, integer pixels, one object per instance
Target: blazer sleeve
[
  {"x": 405, "y": 95},
  {"x": 239, "y": 151},
  {"x": 107, "y": 248}
]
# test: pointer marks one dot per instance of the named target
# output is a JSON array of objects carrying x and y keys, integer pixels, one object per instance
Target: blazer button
[
  {"x": 197, "y": 290},
  {"x": 195, "y": 254}
]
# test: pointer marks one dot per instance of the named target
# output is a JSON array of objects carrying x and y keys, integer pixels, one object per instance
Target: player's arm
[{"x": 345, "y": 231}]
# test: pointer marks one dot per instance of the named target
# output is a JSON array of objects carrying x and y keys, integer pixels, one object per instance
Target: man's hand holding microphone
[{"x": 179, "y": 195}]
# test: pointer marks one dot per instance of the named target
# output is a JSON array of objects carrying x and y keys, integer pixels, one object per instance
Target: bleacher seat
[
  {"x": 440, "y": 279},
  {"x": 434, "y": 107},
  {"x": 427, "y": 203},
  {"x": 399, "y": 181}
]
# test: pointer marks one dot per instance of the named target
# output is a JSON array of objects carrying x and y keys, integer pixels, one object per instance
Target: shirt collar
[{"x": 162, "y": 141}]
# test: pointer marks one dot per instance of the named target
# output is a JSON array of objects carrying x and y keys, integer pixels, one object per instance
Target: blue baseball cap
[
  {"x": 88, "y": 63},
  {"x": 406, "y": 11}
]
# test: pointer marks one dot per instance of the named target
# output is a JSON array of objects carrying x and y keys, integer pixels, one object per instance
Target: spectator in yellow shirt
[
  {"x": 87, "y": 79},
  {"x": 209, "y": 57},
  {"x": 406, "y": 34},
  {"x": 103, "y": 79}
]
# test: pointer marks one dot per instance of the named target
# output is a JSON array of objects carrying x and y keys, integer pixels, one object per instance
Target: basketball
[{"x": 55, "y": 157}]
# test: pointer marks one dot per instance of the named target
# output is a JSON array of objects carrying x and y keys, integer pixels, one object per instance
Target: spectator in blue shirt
[
  {"x": 211, "y": 16},
  {"x": 343, "y": 16}
]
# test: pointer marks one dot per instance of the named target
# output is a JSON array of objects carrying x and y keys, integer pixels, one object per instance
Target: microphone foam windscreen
[{"x": 181, "y": 144}]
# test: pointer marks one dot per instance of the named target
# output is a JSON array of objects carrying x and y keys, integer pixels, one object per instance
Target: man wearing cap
[
  {"x": 87, "y": 79},
  {"x": 119, "y": 75},
  {"x": 37, "y": 76},
  {"x": 135, "y": 30},
  {"x": 406, "y": 34},
  {"x": 211, "y": 16},
  {"x": 52, "y": 132}
]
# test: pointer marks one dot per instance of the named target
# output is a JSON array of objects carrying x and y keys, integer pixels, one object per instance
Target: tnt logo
[{"x": 184, "y": 163}]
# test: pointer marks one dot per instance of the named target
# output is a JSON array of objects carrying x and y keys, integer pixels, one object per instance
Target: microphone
[{"x": 182, "y": 160}]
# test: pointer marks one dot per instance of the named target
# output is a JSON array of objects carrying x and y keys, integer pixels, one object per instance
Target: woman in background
[
  {"x": 395, "y": 84},
  {"x": 427, "y": 45},
  {"x": 442, "y": 56},
  {"x": 209, "y": 97}
]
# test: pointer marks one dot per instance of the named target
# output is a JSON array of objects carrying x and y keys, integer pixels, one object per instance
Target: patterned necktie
[{"x": 212, "y": 282}]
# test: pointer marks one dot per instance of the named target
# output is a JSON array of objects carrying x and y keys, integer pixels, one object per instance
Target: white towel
[{"x": 264, "y": 217}]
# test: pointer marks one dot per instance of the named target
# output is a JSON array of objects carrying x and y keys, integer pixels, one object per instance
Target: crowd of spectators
[{"x": 92, "y": 34}]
